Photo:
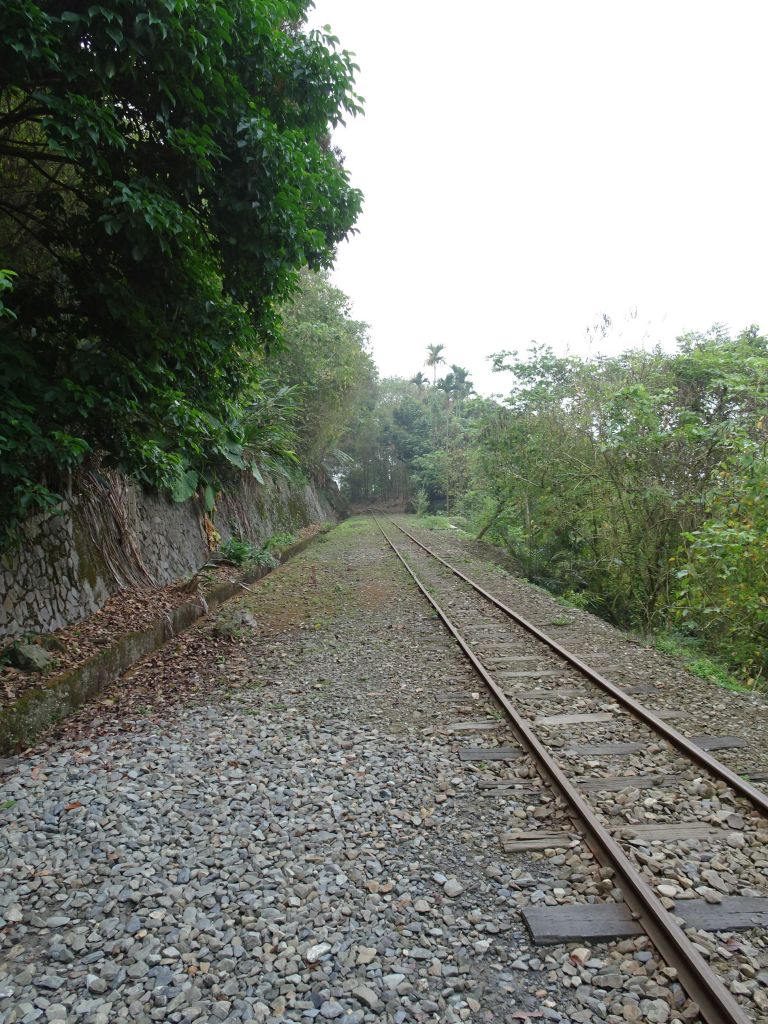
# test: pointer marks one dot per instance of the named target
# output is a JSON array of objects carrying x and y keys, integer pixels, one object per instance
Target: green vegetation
[
  {"x": 242, "y": 552},
  {"x": 690, "y": 650},
  {"x": 410, "y": 441},
  {"x": 325, "y": 359},
  {"x": 166, "y": 173},
  {"x": 279, "y": 542},
  {"x": 632, "y": 486},
  {"x": 440, "y": 521}
]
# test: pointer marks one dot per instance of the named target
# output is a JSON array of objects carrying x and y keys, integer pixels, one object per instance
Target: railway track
[{"x": 529, "y": 675}]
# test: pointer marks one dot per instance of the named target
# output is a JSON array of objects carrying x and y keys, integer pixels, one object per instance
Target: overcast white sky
[{"x": 530, "y": 165}]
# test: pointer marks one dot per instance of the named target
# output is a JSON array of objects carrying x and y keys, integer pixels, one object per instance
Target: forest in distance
[{"x": 633, "y": 486}]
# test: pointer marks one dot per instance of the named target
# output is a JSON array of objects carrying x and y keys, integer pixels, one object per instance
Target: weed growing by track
[{"x": 698, "y": 663}]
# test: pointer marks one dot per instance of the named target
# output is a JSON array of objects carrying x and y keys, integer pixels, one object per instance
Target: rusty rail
[{"x": 715, "y": 1002}]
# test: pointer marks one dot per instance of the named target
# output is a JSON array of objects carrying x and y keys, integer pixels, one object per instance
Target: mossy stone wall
[{"x": 109, "y": 532}]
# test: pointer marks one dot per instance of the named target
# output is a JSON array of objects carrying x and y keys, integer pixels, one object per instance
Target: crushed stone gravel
[{"x": 294, "y": 838}]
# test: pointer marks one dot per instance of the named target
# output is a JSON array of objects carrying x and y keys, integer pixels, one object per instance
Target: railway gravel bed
[
  {"x": 689, "y": 834},
  {"x": 295, "y": 836}
]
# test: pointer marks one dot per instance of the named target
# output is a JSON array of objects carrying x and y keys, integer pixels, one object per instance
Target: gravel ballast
[{"x": 295, "y": 837}]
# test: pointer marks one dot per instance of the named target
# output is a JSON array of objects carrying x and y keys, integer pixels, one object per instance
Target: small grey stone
[
  {"x": 656, "y": 1011},
  {"x": 50, "y": 981},
  {"x": 607, "y": 979},
  {"x": 331, "y": 1009},
  {"x": 62, "y": 955},
  {"x": 366, "y": 995},
  {"x": 420, "y": 953},
  {"x": 314, "y": 953}
]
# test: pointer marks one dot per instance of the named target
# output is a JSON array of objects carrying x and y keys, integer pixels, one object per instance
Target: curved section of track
[{"x": 716, "y": 1004}]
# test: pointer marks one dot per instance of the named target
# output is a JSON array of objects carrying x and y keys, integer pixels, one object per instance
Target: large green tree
[
  {"x": 165, "y": 170},
  {"x": 325, "y": 361}
]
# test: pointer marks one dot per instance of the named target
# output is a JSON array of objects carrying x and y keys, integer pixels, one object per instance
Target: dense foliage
[
  {"x": 722, "y": 579},
  {"x": 411, "y": 439},
  {"x": 165, "y": 171},
  {"x": 638, "y": 441},
  {"x": 326, "y": 363},
  {"x": 636, "y": 486}
]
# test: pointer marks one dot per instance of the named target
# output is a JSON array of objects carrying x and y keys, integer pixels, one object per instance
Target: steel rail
[
  {"x": 755, "y": 796},
  {"x": 716, "y": 1004}
]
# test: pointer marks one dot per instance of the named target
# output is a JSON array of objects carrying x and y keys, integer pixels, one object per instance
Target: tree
[
  {"x": 165, "y": 172},
  {"x": 462, "y": 385},
  {"x": 326, "y": 362},
  {"x": 419, "y": 380},
  {"x": 434, "y": 359},
  {"x": 412, "y": 442},
  {"x": 446, "y": 385},
  {"x": 722, "y": 571},
  {"x": 597, "y": 470}
]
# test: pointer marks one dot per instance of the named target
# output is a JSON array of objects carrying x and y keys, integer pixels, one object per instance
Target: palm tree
[
  {"x": 419, "y": 380},
  {"x": 434, "y": 359},
  {"x": 462, "y": 385},
  {"x": 446, "y": 384}
]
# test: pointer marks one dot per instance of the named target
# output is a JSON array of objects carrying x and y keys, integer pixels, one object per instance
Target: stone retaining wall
[
  {"x": 108, "y": 533},
  {"x": 22, "y": 722}
]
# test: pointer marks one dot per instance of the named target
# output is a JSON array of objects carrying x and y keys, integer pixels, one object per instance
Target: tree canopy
[{"x": 165, "y": 171}]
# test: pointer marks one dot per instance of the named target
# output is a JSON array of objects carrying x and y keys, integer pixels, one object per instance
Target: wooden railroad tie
[
  {"x": 490, "y": 753},
  {"x": 671, "y": 832},
  {"x": 614, "y": 783},
  {"x": 620, "y": 749},
  {"x": 511, "y": 657},
  {"x": 592, "y": 716},
  {"x": 596, "y": 922},
  {"x": 565, "y": 692},
  {"x": 521, "y": 842},
  {"x": 488, "y": 725},
  {"x": 544, "y": 673},
  {"x": 560, "y": 694},
  {"x": 517, "y": 842},
  {"x": 508, "y": 787},
  {"x": 719, "y": 742}
]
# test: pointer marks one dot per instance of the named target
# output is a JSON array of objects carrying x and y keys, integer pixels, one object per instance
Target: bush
[
  {"x": 242, "y": 552},
  {"x": 421, "y": 502}
]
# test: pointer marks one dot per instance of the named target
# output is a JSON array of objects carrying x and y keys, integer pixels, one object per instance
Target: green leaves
[
  {"x": 606, "y": 473},
  {"x": 6, "y": 284},
  {"x": 168, "y": 176},
  {"x": 721, "y": 585},
  {"x": 209, "y": 498},
  {"x": 185, "y": 485}
]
